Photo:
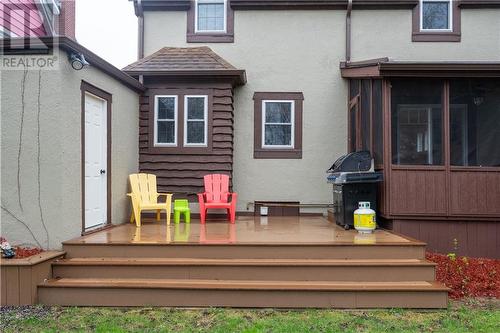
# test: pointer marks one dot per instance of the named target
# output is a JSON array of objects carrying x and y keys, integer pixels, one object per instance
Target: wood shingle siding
[{"x": 181, "y": 169}]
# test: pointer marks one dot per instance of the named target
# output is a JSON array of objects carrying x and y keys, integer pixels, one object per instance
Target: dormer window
[
  {"x": 436, "y": 21},
  {"x": 211, "y": 15},
  {"x": 210, "y": 21},
  {"x": 436, "y": 15}
]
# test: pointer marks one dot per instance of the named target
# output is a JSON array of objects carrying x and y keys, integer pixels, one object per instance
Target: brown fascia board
[
  {"x": 167, "y": 5},
  {"x": 360, "y": 69},
  {"x": 236, "y": 76},
  {"x": 479, "y": 4},
  {"x": 384, "y": 67},
  {"x": 321, "y": 4},
  {"x": 20, "y": 46},
  {"x": 440, "y": 69}
]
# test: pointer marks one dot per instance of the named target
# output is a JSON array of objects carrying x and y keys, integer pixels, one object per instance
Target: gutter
[{"x": 348, "y": 32}]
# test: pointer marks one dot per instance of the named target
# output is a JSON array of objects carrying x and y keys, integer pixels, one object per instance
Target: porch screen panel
[
  {"x": 377, "y": 120},
  {"x": 475, "y": 122},
  {"x": 417, "y": 121},
  {"x": 353, "y": 110},
  {"x": 365, "y": 115}
]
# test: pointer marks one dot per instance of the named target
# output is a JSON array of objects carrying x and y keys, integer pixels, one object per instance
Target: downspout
[
  {"x": 348, "y": 32},
  {"x": 139, "y": 12},
  {"x": 140, "y": 17}
]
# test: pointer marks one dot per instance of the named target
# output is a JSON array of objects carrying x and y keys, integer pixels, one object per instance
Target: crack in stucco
[
  {"x": 24, "y": 224},
  {"x": 38, "y": 155},
  {"x": 19, "y": 151}
]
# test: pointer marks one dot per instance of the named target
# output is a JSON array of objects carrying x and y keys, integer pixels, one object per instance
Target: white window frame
[
  {"x": 205, "y": 116},
  {"x": 196, "y": 30},
  {"x": 176, "y": 108},
  {"x": 292, "y": 123},
  {"x": 450, "y": 16}
]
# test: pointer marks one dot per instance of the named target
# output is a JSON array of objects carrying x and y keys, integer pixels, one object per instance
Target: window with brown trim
[
  {"x": 436, "y": 21},
  {"x": 210, "y": 21},
  {"x": 278, "y": 125},
  {"x": 180, "y": 121}
]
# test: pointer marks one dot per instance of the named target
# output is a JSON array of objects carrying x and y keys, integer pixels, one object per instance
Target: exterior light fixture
[{"x": 78, "y": 61}]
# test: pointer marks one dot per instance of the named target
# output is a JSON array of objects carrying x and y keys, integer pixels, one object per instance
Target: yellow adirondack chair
[{"x": 145, "y": 197}]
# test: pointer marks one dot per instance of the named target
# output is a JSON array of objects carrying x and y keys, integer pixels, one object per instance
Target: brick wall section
[
  {"x": 183, "y": 173},
  {"x": 66, "y": 20}
]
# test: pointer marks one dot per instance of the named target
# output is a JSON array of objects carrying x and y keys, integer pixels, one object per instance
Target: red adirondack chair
[{"x": 216, "y": 196}]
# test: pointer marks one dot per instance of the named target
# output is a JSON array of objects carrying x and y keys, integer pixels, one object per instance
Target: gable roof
[{"x": 186, "y": 62}]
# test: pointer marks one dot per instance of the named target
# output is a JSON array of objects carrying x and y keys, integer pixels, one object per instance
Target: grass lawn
[{"x": 471, "y": 316}]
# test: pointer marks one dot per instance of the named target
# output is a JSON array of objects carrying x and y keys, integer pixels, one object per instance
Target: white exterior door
[{"x": 95, "y": 161}]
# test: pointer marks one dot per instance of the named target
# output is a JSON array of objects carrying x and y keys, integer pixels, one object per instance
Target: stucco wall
[
  {"x": 387, "y": 33},
  {"x": 59, "y": 169},
  {"x": 281, "y": 51},
  {"x": 301, "y": 51}
]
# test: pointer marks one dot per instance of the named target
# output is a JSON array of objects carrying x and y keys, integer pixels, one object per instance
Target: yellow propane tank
[{"x": 365, "y": 220}]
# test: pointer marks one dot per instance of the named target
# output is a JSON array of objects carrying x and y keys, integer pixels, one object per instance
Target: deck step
[
  {"x": 241, "y": 269},
  {"x": 247, "y": 251},
  {"x": 241, "y": 293}
]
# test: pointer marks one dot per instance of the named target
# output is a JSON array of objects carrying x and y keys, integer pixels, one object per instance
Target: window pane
[
  {"x": 196, "y": 132},
  {"x": 166, "y": 107},
  {"x": 475, "y": 122},
  {"x": 166, "y": 132},
  {"x": 196, "y": 107},
  {"x": 211, "y": 16},
  {"x": 365, "y": 115},
  {"x": 435, "y": 15},
  {"x": 278, "y": 112},
  {"x": 278, "y": 135},
  {"x": 416, "y": 121},
  {"x": 377, "y": 121}
]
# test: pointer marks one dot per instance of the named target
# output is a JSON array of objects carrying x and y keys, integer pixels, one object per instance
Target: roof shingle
[{"x": 180, "y": 58}]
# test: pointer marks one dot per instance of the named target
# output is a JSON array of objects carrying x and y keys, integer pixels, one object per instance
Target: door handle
[{"x": 102, "y": 172}]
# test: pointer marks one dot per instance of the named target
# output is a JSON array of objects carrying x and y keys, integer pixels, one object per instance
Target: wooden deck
[
  {"x": 257, "y": 262},
  {"x": 247, "y": 230}
]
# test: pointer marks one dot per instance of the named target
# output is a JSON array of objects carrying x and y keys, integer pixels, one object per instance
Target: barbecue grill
[{"x": 353, "y": 180}]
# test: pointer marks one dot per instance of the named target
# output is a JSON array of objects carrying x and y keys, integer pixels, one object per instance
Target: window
[
  {"x": 210, "y": 21},
  {"x": 195, "y": 120},
  {"x": 210, "y": 15},
  {"x": 436, "y": 21},
  {"x": 474, "y": 122},
  {"x": 435, "y": 15},
  {"x": 417, "y": 121},
  {"x": 278, "y": 125},
  {"x": 165, "y": 121}
]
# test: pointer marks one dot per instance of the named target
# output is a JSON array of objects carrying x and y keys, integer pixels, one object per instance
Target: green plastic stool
[{"x": 182, "y": 206}]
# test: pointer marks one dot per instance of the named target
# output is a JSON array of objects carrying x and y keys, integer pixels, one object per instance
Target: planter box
[{"x": 19, "y": 277}]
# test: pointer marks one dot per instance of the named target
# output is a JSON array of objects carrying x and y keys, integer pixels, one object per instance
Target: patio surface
[{"x": 246, "y": 230}]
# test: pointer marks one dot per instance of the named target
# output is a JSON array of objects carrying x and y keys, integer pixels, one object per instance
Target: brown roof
[
  {"x": 385, "y": 67},
  {"x": 186, "y": 62},
  {"x": 180, "y": 58}
]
